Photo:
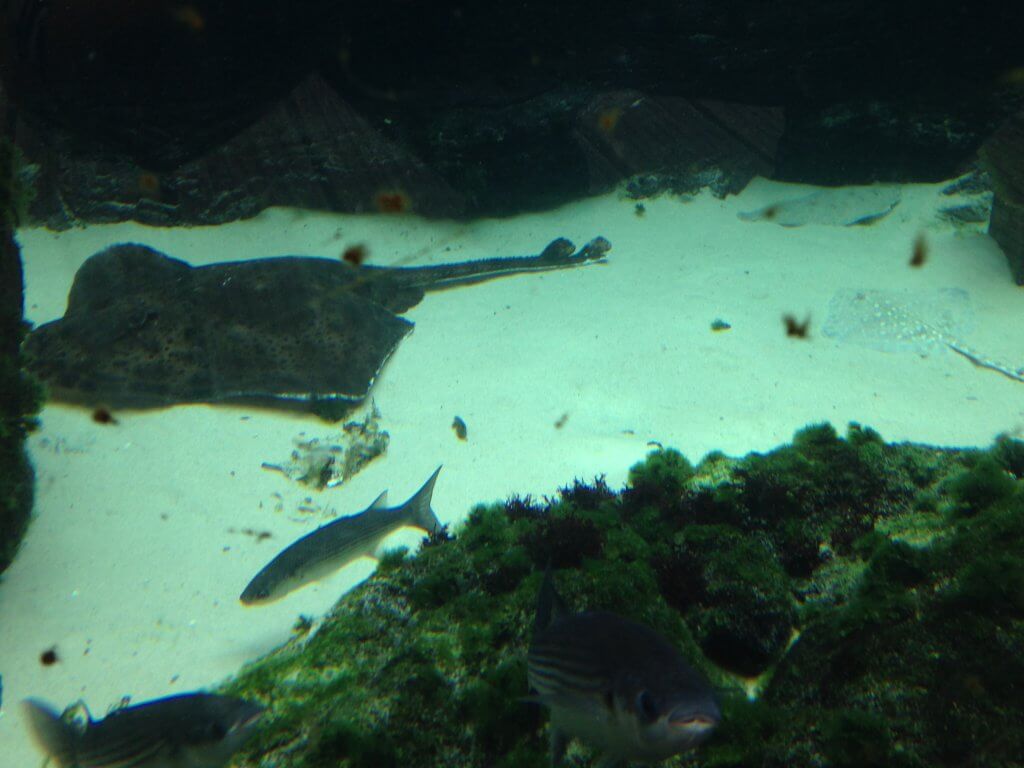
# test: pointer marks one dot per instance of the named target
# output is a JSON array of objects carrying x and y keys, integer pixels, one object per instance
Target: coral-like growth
[
  {"x": 1009, "y": 453},
  {"x": 563, "y": 541},
  {"x": 981, "y": 486},
  {"x": 587, "y": 496},
  {"x": 734, "y": 595},
  {"x": 660, "y": 480},
  {"x": 517, "y": 507}
]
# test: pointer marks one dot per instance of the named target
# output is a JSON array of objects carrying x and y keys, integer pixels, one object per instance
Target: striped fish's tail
[
  {"x": 53, "y": 735},
  {"x": 418, "y": 507}
]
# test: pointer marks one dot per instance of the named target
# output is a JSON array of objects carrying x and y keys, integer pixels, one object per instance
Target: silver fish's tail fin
[
  {"x": 550, "y": 605},
  {"x": 418, "y": 507},
  {"x": 53, "y": 735}
]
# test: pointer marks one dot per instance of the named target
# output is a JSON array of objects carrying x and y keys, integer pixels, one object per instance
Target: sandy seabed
[{"x": 137, "y": 553}]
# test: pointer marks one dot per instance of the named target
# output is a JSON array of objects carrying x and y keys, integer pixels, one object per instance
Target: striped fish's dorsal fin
[{"x": 550, "y": 605}]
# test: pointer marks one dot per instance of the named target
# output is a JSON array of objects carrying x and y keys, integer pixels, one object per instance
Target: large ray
[{"x": 143, "y": 329}]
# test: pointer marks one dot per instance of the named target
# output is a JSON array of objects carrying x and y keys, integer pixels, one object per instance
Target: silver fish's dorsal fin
[
  {"x": 380, "y": 502},
  {"x": 417, "y": 509}
]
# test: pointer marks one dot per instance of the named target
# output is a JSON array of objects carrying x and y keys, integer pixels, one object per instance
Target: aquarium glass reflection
[{"x": 516, "y": 385}]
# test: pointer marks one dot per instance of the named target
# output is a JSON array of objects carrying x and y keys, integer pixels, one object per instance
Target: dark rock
[
  {"x": 498, "y": 111},
  {"x": 976, "y": 182},
  {"x": 309, "y": 151},
  {"x": 1006, "y": 227},
  {"x": 677, "y": 145},
  {"x": 161, "y": 82},
  {"x": 978, "y": 211},
  {"x": 881, "y": 139},
  {"x": 969, "y": 199},
  {"x": 19, "y": 396},
  {"x": 870, "y": 91},
  {"x": 1003, "y": 154}
]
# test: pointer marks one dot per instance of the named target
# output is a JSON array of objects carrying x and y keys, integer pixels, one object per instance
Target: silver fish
[
  {"x": 615, "y": 685},
  {"x": 193, "y": 730},
  {"x": 329, "y": 547}
]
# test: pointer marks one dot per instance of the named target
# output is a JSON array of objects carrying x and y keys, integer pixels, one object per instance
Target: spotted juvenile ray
[
  {"x": 895, "y": 321},
  {"x": 143, "y": 329},
  {"x": 836, "y": 206}
]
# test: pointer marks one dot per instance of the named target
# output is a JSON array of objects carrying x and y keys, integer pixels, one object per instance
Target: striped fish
[
  {"x": 614, "y": 684},
  {"x": 329, "y": 547},
  {"x": 193, "y": 730}
]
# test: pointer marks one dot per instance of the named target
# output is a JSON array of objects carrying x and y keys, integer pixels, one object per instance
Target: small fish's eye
[{"x": 646, "y": 707}]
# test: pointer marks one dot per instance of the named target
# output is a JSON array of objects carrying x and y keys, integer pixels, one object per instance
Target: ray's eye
[{"x": 646, "y": 707}]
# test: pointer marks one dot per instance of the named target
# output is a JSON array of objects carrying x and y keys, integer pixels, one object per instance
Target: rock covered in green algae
[
  {"x": 20, "y": 395},
  {"x": 896, "y": 567},
  {"x": 17, "y": 478}
]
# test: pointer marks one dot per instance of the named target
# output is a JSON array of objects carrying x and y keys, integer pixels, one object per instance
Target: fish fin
[
  {"x": 418, "y": 507},
  {"x": 53, "y": 735},
  {"x": 558, "y": 743},
  {"x": 380, "y": 502},
  {"x": 550, "y": 605}
]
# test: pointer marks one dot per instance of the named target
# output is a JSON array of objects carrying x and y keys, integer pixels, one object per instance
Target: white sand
[{"x": 131, "y": 567}]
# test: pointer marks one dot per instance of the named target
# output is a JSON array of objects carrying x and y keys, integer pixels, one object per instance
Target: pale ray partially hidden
[{"x": 908, "y": 321}]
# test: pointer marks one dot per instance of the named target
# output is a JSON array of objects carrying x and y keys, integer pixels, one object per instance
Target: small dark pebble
[{"x": 103, "y": 416}]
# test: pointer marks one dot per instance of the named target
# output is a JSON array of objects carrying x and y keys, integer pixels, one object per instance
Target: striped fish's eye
[{"x": 646, "y": 707}]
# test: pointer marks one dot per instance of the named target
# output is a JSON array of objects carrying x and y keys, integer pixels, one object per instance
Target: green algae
[
  {"x": 733, "y": 593},
  {"x": 984, "y": 484},
  {"x": 871, "y": 589},
  {"x": 20, "y": 395},
  {"x": 16, "y": 189}
]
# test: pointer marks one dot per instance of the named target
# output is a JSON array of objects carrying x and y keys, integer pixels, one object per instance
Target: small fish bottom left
[{"x": 191, "y": 730}]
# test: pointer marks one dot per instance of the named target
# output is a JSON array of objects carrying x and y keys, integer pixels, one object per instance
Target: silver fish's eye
[{"x": 646, "y": 707}]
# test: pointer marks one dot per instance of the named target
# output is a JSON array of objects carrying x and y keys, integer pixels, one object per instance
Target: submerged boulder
[
  {"x": 19, "y": 395},
  {"x": 858, "y": 603}
]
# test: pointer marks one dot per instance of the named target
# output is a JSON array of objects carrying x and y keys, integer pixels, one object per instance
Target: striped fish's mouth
[{"x": 693, "y": 723}]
